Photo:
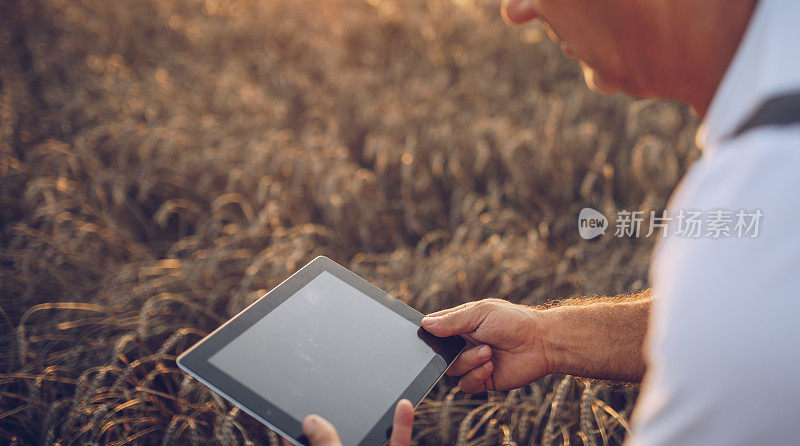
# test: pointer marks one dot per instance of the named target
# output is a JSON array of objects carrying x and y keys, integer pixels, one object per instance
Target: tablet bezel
[{"x": 195, "y": 360}]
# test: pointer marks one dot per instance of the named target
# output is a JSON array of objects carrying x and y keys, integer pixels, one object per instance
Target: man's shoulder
[
  {"x": 736, "y": 215},
  {"x": 752, "y": 170}
]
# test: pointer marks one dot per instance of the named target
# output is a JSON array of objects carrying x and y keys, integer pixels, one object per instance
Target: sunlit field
[{"x": 163, "y": 163}]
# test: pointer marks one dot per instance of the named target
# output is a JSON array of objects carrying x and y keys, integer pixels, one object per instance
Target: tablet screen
[{"x": 314, "y": 354}]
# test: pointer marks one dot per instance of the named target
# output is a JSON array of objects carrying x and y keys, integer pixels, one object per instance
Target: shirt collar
[{"x": 767, "y": 63}]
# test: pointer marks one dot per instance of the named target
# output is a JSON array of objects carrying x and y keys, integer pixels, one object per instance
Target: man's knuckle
[
  {"x": 473, "y": 358},
  {"x": 485, "y": 304}
]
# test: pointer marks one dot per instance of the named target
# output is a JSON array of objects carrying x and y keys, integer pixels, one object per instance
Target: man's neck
[{"x": 710, "y": 46}]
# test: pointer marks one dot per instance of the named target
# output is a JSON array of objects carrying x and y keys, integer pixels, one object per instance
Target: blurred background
[{"x": 163, "y": 163}]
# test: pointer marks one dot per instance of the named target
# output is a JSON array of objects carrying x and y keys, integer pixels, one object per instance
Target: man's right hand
[{"x": 510, "y": 348}]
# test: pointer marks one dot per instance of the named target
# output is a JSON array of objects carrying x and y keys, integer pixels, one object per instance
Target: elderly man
[{"x": 716, "y": 341}]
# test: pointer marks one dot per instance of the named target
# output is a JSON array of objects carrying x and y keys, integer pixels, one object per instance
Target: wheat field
[{"x": 163, "y": 163}]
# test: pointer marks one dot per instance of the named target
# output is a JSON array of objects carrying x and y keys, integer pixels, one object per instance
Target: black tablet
[{"x": 324, "y": 341}]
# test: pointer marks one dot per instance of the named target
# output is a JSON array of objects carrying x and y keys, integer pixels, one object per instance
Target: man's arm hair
[{"x": 598, "y": 337}]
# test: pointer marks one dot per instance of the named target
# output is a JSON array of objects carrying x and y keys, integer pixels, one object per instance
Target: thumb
[
  {"x": 462, "y": 321},
  {"x": 403, "y": 423},
  {"x": 320, "y": 432}
]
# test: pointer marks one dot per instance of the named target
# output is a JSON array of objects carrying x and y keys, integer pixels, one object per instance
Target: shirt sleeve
[{"x": 724, "y": 342}]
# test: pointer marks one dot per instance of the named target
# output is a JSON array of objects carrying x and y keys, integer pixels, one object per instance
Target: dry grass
[{"x": 163, "y": 163}]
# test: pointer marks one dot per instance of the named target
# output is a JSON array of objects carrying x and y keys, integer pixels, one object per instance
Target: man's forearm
[{"x": 598, "y": 337}]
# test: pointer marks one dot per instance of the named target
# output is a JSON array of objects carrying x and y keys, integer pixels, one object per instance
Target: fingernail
[
  {"x": 429, "y": 321},
  {"x": 484, "y": 351},
  {"x": 310, "y": 425}
]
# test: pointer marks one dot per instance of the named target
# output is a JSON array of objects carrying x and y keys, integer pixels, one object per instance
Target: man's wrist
[
  {"x": 545, "y": 322},
  {"x": 600, "y": 339}
]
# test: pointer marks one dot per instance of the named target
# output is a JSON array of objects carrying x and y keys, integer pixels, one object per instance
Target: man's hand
[
  {"x": 510, "y": 348},
  {"x": 599, "y": 337},
  {"x": 320, "y": 432}
]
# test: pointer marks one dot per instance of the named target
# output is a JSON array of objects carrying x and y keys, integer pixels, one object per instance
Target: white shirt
[{"x": 724, "y": 346}]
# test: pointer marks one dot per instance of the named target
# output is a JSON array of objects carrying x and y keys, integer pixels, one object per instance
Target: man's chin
[{"x": 595, "y": 82}]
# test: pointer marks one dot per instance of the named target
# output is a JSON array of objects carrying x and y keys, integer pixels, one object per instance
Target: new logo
[{"x": 591, "y": 223}]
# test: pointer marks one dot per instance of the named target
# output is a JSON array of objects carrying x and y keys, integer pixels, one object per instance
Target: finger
[
  {"x": 403, "y": 423},
  {"x": 469, "y": 360},
  {"x": 320, "y": 432},
  {"x": 475, "y": 381},
  {"x": 462, "y": 321},
  {"x": 450, "y": 310},
  {"x": 518, "y": 12}
]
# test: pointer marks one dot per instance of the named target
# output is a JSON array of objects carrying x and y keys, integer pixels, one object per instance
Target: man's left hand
[{"x": 320, "y": 432}]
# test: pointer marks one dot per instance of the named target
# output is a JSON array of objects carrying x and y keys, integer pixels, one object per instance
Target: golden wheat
[{"x": 164, "y": 163}]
